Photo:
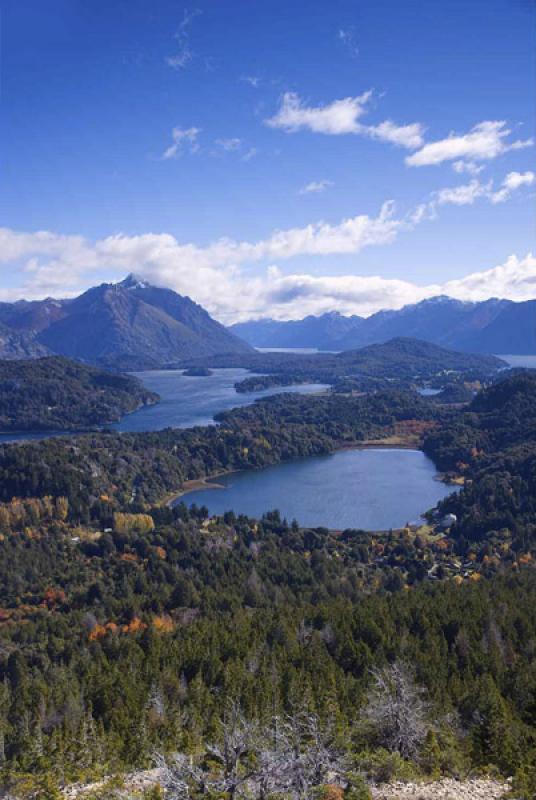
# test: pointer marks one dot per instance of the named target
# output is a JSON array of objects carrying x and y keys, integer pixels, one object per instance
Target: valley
[{"x": 110, "y": 588}]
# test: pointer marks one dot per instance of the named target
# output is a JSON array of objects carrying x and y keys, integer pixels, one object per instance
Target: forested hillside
[
  {"x": 493, "y": 445},
  {"x": 54, "y": 393},
  {"x": 401, "y": 362},
  {"x": 119, "y": 644},
  {"x": 128, "y": 627}
]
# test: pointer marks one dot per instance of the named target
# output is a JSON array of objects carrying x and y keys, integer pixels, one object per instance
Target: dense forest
[
  {"x": 128, "y": 627},
  {"x": 119, "y": 644},
  {"x": 135, "y": 468},
  {"x": 492, "y": 445},
  {"x": 51, "y": 394}
]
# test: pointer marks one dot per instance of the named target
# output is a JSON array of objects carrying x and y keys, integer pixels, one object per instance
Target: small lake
[
  {"x": 371, "y": 489},
  {"x": 185, "y": 401}
]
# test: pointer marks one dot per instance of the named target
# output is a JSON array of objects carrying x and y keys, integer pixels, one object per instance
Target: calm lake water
[
  {"x": 373, "y": 489},
  {"x": 185, "y": 401}
]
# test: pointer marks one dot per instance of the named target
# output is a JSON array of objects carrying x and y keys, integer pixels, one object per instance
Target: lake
[
  {"x": 372, "y": 489},
  {"x": 520, "y": 361},
  {"x": 185, "y": 401}
]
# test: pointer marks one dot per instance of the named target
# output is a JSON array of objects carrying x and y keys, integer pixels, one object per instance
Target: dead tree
[
  {"x": 240, "y": 742},
  {"x": 303, "y": 758},
  {"x": 397, "y": 709}
]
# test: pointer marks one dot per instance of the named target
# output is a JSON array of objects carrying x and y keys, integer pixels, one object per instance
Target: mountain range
[
  {"x": 492, "y": 326},
  {"x": 126, "y": 325}
]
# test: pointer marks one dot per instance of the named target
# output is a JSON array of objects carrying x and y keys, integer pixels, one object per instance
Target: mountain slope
[
  {"x": 126, "y": 325},
  {"x": 319, "y": 332},
  {"x": 19, "y": 344},
  {"x": 408, "y": 357},
  {"x": 492, "y": 326}
]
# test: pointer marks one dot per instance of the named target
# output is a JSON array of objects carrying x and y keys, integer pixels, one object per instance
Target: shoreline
[{"x": 197, "y": 484}]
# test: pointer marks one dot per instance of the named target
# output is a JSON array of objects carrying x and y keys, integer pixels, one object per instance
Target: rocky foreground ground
[{"x": 446, "y": 789}]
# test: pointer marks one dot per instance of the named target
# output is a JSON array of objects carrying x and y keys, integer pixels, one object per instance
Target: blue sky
[{"x": 139, "y": 135}]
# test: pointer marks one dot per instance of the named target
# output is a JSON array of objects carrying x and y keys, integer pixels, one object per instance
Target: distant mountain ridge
[
  {"x": 492, "y": 326},
  {"x": 320, "y": 332},
  {"x": 126, "y": 325}
]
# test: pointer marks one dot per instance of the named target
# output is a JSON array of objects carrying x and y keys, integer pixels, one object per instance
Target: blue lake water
[
  {"x": 185, "y": 401},
  {"x": 371, "y": 489},
  {"x": 520, "y": 361}
]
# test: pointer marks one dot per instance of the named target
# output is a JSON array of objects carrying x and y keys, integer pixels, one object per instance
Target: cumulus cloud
[
  {"x": 335, "y": 118},
  {"x": 484, "y": 142},
  {"x": 217, "y": 276},
  {"x": 463, "y": 195},
  {"x": 409, "y": 136},
  {"x": 183, "y": 139},
  {"x": 468, "y": 167},
  {"x": 515, "y": 279},
  {"x": 52, "y": 263},
  {"x": 467, "y": 193},
  {"x": 315, "y": 187},
  {"x": 512, "y": 182},
  {"x": 342, "y": 117}
]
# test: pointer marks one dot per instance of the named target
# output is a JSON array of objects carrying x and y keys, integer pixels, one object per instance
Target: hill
[
  {"x": 492, "y": 326},
  {"x": 400, "y": 361},
  {"x": 58, "y": 394},
  {"x": 492, "y": 445},
  {"x": 128, "y": 325}
]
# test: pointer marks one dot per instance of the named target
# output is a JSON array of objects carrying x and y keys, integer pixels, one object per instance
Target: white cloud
[
  {"x": 484, "y": 142},
  {"x": 347, "y": 38},
  {"x": 182, "y": 138},
  {"x": 249, "y": 154},
  {"x": 183, "y": 55},
  {"x": 55, "y": 264},
  {"x": 515, "y": 279},
  {"x": 342, "y": 117},
  {"x": 468, "y": 167},
  {"x": 467, "y": 193},
  {"x": 512, "y": 182},
  {"x": 336, "y": 118},
  {"x": 229, "y": 145},
  {"x": 409, "y": 136},
  {"x": 315, "y": 187},
  {"x": 252, "y": 80},
  {"x": 63, "y": 265}
]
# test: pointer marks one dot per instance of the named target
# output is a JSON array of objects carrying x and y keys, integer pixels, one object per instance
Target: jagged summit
[
  {"x": 126, "y": 325},
  {"x": 134, "y": 281}
]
